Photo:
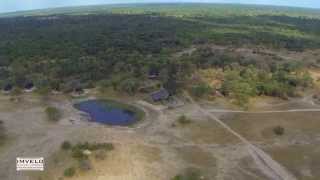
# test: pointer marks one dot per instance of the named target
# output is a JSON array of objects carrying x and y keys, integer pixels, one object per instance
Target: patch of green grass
[
  {"x": 69, "y": 172},
  {"x": 53, "y": 113}
]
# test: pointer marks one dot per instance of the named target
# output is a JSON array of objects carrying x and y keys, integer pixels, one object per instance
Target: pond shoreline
[{"x": 115, "y": 107}]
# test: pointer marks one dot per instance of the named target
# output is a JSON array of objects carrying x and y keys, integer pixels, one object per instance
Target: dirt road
[{"x": 265, "y": 163}]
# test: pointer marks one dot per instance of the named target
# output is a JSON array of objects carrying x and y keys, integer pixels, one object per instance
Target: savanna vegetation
[
  {"x": 117, "y": 47},
  {"x": 83, "y": 154},
  {"x": 2, "y": 133}
]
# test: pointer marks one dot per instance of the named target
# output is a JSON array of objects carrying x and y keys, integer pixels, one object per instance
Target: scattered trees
[
  {"x": 243, "y": 84},
  {"x": 82, "y": 152}
]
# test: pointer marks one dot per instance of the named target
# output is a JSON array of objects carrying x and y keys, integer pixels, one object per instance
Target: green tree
[
  {"x": 201, "y": 90},
  {"x": 130, "y": 85}
]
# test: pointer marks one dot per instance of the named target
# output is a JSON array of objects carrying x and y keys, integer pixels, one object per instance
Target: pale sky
[{"x": 18, "y": 5}]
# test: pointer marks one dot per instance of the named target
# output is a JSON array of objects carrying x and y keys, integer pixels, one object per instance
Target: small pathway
[
  {"x": 261, "y": 112},
  {"x": 264, "y": 162}
]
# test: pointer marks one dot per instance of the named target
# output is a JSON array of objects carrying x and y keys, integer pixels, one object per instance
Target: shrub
[
  {"x": 201, "y": 90},
  {"x": 82, "y": 146},
  {"x": 78, "y": 154},
  {"x": 69, "y": 172},
  {"x": 173, "y": 125},
  {"x": 190, "y": 174},
  {"x": 2, "y": 133},
  {"x": 53, "y": 113},
  {"x": 94, "y": 146},
  {"x": 184, "y": 120},
  {"x": 66, "y": 145},
  {"x": 77, "y": 150},
  {"x": 105, "y": 146},
  {"x": 278, "y": 130}
]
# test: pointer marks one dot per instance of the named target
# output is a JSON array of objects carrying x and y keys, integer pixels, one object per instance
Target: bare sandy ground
[{"x": 154, "y": 149}]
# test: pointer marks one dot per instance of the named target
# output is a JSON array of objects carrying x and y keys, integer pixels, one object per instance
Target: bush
[
  {"x": 53, "y": 113},
  {"x": 201, "y": 90},
  {"x": 66, "y": 145},
  {"x": 82, "y": 146},
  {"x": 278, "y": 130},
  {"x": 2, "y": 133},
  {"x": 69, "y": 172},
  {"x": 190, "y": 174},
  {"x": 184, "y": 120},
  {"x": 95, "y": 146},
  {"x": 78, "y": 154},
  {"x": 105, "y": 146},
  {"x": 77, "y": 150}
]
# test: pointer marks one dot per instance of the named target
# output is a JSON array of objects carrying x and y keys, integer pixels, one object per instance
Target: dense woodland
[{"x": 62, "y": 52}]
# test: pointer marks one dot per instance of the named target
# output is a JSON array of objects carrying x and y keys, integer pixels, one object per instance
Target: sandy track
[
  {"x": 265, "y": 163},
  {"x": 262, "y": 112}
]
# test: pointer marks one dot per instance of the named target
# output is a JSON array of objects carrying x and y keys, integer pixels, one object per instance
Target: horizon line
[{"x": 153, "y": 3}]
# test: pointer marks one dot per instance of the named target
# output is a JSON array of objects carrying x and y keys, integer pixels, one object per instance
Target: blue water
[{"x": 100, "y": 111}]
